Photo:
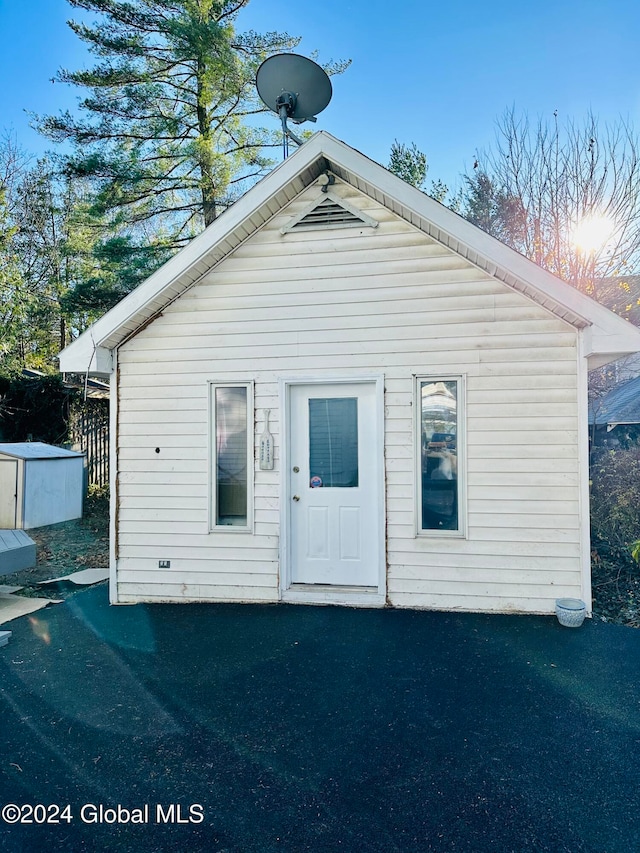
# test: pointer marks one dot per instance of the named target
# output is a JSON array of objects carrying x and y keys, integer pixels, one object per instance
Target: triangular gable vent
[{"x": 330, "y": 211}]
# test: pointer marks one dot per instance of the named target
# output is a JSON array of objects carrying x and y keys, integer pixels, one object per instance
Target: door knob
[{"x": 296, "y": 497}]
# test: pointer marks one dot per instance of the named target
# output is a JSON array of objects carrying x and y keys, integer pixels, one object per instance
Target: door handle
[{"x": 296, "y": 497}]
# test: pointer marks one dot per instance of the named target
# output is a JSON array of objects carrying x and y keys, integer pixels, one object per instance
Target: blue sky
[{"x": 437, "y": 74}]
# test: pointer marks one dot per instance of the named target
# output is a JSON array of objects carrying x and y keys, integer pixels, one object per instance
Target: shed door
[
  {"x": 8, "y": 493},
  {"x": 333, "y": 484}
]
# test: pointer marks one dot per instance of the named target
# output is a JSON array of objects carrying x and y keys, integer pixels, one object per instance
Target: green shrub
[
  {"x": 615, "y": 497},
  {"x": 615, "y": 529}
]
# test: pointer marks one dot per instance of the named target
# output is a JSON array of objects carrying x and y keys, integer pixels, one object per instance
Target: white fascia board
[
  {"x": 611, "y": 335},
  {"x": 83, "y": 357},
  {"x": 456, "y": 229},
  {"x": 614, "y": 336}
]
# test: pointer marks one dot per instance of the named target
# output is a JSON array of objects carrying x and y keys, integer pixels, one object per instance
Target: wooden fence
[{"x": 89, "y": 434}]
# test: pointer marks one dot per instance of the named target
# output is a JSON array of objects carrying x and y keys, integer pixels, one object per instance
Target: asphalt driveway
[{"x": 235, "y": 729}]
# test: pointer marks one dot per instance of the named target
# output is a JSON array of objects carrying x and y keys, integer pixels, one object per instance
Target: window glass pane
[
  {"x": 231, "y": 455},
  {"x": 333, "y": 442},
  {"x": 439, "y": 449}
]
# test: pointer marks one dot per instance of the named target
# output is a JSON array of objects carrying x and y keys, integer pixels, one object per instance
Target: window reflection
[
  {"x": 333, "y": 442},
  {"x": 231, "y": 455},
  {"x": 439, "y": 454}
]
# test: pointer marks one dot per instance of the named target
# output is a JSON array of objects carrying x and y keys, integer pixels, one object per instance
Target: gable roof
[
  {"x": 621, "y": 405},
  {"x": 606, "y": 335}
]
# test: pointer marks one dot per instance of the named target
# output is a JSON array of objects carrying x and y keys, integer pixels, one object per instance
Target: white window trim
[
  {"x": 461, "y": 451},
  {"x": 212, "y": 466}
]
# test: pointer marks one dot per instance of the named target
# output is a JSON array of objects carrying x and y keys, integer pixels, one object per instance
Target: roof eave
[
  {"x": 92, "y": 351},
  {"x": 609, "y": 336},
  {"x": 84, "y": 356}
]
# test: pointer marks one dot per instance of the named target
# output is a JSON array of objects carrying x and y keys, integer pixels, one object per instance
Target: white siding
[{"x": 348, "y": 301}]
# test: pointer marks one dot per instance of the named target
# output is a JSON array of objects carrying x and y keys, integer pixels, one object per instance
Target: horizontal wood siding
[{"x": 342, "y": 302}]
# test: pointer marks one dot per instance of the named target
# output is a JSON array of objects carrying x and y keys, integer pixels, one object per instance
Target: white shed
[
  {"x": 427, "y": 394},
  {"x": 39, "y": 484}
]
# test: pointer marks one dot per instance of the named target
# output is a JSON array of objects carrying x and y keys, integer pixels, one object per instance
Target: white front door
[{"x": 334, "y": 488}]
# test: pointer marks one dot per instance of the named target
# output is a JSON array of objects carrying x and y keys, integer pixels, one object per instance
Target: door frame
[{"x": 316, "y": 593}]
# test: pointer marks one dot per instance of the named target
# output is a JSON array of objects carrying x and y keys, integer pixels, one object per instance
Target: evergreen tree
[
  {"x": 168, "y": 128},
  {"x": 410, "y": 163},
  {"x": 491, "y": 208}
]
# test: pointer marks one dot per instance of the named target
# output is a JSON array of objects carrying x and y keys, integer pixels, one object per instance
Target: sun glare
[{"x": 592, "y": 233}]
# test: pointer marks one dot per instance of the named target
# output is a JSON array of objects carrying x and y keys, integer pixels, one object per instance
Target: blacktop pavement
[{"x": 251, "y": 729}]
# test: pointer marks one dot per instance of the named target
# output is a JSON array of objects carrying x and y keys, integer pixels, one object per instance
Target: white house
[{"x": 427, "y": 391}]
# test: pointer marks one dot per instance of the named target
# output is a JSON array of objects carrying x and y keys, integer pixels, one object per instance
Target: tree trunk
[
  {"x": 207, "y": 181},
  {"x": 209, "y": 208}
]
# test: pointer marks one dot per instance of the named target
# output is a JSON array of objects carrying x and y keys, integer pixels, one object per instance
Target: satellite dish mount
[
  {"x": 286, "y": 104},
  {"x": 295, "y": 88}
]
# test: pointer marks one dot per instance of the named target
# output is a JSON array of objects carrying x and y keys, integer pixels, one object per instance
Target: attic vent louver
[{"x": 330, "y": 211}]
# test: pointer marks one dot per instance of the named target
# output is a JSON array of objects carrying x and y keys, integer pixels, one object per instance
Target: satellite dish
[{"x": 295, "y": 88}]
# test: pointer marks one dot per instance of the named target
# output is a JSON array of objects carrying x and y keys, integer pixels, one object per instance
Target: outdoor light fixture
[{"x": 326, "y": 180}]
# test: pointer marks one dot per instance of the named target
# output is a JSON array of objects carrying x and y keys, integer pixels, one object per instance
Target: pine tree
[
  {"x": 168, "y": 130},
  {"x": 410, "y": 163},
  {"x": 491, "y": 208}
]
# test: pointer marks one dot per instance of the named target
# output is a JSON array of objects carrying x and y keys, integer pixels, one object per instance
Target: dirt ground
[{"x": 65, "y": 548}]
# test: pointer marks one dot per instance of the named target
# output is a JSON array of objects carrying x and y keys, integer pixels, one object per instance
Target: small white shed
[
  {"x": 39, "y": 484},
  {"x": 425, "y": 388}
]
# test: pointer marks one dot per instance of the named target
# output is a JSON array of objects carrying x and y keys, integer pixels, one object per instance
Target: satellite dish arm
[
  {"x": 286, "y": 104},
  {"x": 292, "y": 135}
]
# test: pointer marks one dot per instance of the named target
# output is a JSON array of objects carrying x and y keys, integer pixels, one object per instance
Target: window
[
  {"x": 333, "y": 442},
  {"x": 439, "y": 407},
  {"x": 232, "y": 456}
]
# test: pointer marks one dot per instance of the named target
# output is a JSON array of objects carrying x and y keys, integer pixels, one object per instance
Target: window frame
[
  {"x": 461, "y": 453},
  {"x": 214, "y": 527}
]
